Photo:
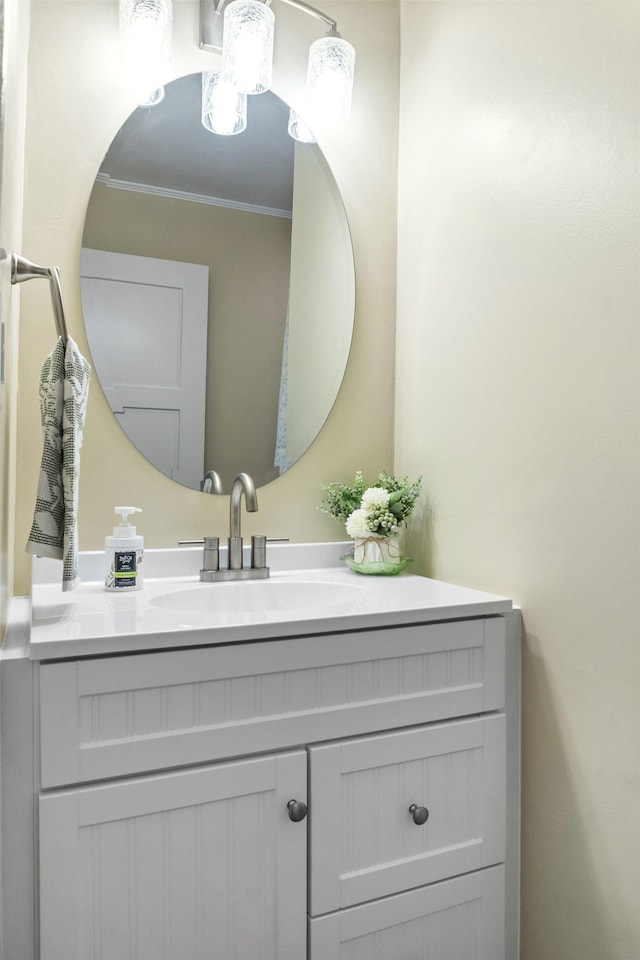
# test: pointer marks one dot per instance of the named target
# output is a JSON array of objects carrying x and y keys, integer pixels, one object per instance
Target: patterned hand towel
[{"x": 64, "y": 387}]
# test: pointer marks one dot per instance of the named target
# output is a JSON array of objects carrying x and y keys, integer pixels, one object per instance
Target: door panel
[{"x": 186, "y": 866}]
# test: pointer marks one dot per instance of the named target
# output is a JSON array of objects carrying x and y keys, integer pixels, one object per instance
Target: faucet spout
[
  {"x": 211, "y": 483},
  {"x": 242, "y": 484}
]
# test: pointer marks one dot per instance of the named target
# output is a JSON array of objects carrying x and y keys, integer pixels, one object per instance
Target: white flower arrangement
[
  {"x": 371, "y": 512},
  {"x": 357, "y": 524},
  {"x": 375, "y": 497}
]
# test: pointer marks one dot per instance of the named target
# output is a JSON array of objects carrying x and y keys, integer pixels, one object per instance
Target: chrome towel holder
[{"x": 22, "y": 269}]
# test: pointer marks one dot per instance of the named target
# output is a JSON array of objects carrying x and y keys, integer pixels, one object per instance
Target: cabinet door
[
  {"x": 365, "y": 842},
  {"x": 459, "y": 919},
  {"x": 197, "y": 864}
]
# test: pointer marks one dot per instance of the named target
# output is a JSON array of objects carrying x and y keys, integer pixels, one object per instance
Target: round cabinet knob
[
  {"x": 297, "y": 810},
  {"x": 420, "y": 814}
]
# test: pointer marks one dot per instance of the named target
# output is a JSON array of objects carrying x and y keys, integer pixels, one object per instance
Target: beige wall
[
  {"x": 77, "y": 100},
  {"x": 518, "y": 397},
  {"x": 15, "y": 35},
  {"x": 248, "y": 255}
]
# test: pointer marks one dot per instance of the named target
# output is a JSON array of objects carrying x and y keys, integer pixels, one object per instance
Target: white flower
[
  {"x": 356, "y": 524},
  {"x": 375, "y": 497}
]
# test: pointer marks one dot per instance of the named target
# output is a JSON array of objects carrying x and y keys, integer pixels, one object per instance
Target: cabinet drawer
[
  {"x": 461, "y": 918},
  {"x": 364, "y": 841},
  {"x": 114, "y": 716}
]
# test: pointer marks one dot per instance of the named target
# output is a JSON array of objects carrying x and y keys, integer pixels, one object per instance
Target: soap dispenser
[{"x": 123, "y": 554}]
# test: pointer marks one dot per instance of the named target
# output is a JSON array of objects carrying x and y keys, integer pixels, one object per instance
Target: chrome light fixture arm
[
  {"x": 212, "y": 16},
  {"x": 314, "y": 12}
]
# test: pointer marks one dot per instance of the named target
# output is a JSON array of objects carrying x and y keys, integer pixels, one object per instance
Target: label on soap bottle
[{"x": 125, "y": 569}]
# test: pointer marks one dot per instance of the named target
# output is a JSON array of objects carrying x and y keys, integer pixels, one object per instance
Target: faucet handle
[
  {"x": 258, "y": 552},
  {"x": 211, "y": 559},
  {"x": 211, "y": 543}
]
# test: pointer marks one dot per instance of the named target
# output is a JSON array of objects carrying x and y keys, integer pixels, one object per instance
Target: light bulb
[
  {"x": 224, "y": 108},
  {"x": 247, "y": 45},
  {"x": 330, "y": 80}
]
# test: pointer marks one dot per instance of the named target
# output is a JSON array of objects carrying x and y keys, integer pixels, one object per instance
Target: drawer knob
[
  {"x": 420, "y": 814},
  {"x": 297, "y": 810}
]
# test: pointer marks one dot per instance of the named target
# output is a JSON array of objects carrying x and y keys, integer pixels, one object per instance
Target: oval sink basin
[{"x": 259, "y": 596}]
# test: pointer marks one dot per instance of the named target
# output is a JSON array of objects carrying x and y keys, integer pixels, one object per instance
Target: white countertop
[{"x": 91, "y": 621}]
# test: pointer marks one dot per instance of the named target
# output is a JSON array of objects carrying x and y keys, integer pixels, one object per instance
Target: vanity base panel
[
  {"x": 115, "y": 716},
  {"x": 172, "y": 809},
  {"x": 462, "y": 918}
]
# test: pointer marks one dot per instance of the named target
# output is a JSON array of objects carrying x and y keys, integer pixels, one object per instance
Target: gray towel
[{"x": 64, "y": 387}]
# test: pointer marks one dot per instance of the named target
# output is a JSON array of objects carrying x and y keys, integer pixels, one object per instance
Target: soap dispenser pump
[{"x": 124, "y": 552}]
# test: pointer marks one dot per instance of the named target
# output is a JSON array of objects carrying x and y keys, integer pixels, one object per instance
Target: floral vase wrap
[
  {"x": 376, "y": 550},
  {"x": 377, "y": 555}
]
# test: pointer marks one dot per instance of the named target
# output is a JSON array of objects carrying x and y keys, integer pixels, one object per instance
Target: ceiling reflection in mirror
[{"x": 217, "y": 289}]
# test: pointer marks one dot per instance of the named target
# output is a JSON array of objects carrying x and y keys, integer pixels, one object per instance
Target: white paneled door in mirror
[{"x": 146, "y": 320}]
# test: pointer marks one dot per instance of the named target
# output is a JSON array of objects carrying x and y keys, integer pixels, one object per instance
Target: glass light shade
[
  {"x": 154, "y": 98},
  {"x": 330, "y": 80},
  {"x": 224, "y": 108},
  {"x": 298, "y": 129},
  {"x": 247, "y": 45},
  {"x": 145, "y": 37}
]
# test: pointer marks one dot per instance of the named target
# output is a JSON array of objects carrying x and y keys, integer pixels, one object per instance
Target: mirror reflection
[{"x": 217, "y": 289}]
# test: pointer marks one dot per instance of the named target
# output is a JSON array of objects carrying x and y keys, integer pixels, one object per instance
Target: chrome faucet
[
  {"x": 211, "y": 572},
  {"x": 242, "y": 484},
  {"x": 211, "y": 482}
]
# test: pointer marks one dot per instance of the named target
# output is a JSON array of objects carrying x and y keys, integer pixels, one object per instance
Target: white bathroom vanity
[{"x": 321, "y": 765}]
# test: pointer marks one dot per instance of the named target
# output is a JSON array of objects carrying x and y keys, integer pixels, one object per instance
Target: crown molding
[{"x": 192, "y": 197}]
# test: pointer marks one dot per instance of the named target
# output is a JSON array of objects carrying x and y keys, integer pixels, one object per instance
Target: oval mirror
[{"x": 217, "y": 288}]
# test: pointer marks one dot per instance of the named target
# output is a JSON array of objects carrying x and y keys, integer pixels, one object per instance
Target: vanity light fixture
[
  {"x": 330, "y": 79},
  {"x": 298, "y": 129},
  {"x": 247, "y": 51},
  {"x": 154, "y": 98},
  {"x": 224, "y": 107},
  {"x": 243, "y": 31},
  {"x": 145, "y": 40}
]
